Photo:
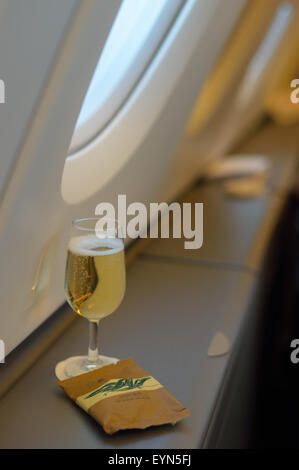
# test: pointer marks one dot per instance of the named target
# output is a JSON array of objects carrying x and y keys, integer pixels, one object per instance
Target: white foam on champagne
[{"x": 91, "y": 245}]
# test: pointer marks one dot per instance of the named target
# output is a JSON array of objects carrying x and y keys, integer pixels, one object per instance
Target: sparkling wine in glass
[{"x": 95, "y": 280}]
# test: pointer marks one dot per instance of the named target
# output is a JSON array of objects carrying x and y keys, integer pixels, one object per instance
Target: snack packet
[{"x": 124, "y": 396}]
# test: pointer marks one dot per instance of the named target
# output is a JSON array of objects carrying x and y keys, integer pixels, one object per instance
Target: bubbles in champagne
[
  {"x": 95, "y": 275},
  {"x": 91, "y": 245}
]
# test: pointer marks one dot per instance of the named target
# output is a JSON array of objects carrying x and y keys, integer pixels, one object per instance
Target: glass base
[{"x": 78, "y": 365}]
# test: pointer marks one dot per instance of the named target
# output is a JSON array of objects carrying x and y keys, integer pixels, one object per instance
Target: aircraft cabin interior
[{"x": 149, "y": 224}]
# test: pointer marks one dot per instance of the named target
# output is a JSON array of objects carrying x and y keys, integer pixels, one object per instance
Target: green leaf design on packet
[{"x": 122, "y": 385}]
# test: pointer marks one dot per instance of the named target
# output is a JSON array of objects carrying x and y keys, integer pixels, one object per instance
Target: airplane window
[{"x": 137, "y": 31}]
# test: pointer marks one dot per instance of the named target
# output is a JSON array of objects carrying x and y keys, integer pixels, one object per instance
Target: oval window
[{"x": 137, "y": 32}]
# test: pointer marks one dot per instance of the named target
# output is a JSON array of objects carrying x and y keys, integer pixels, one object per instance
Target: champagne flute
[{"x": 94, "y": 284}]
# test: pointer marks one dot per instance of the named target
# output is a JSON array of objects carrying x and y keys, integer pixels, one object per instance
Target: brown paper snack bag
[{"x": 124, "y": 396}]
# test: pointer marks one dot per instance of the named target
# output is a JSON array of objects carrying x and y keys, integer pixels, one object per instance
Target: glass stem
[{"x": 93, "y": 348}]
